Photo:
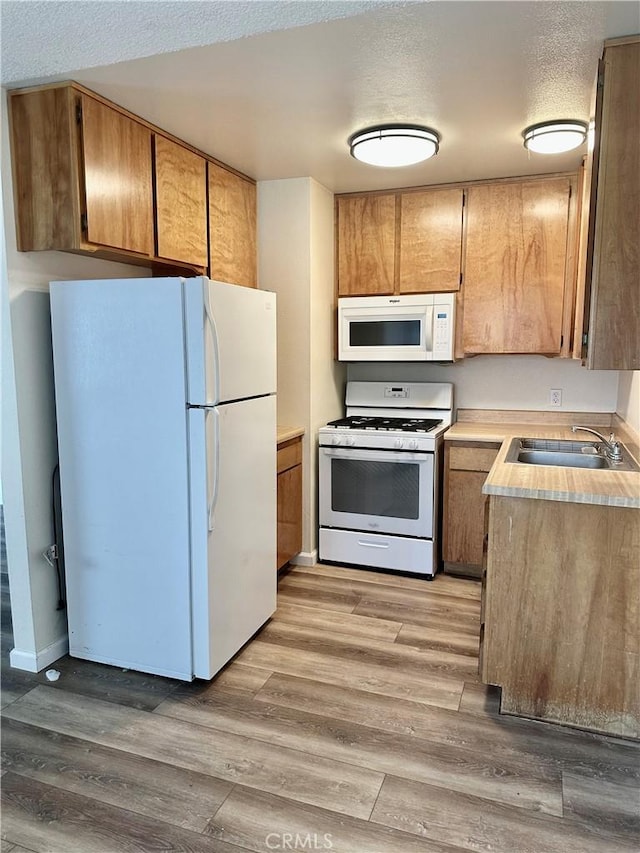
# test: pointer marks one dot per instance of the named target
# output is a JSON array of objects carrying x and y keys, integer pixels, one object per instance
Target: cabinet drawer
[
  {"x": 472, "y": 458},
  {"x": 289, "y": 454}
]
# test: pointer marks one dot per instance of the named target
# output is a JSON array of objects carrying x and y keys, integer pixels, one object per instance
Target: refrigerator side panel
[
  {"x": 122, "y": 436},
  {"x": 231, "y": 341},
  {"x": 233, "y": 483}
]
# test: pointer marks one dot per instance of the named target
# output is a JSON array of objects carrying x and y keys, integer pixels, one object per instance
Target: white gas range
[{"x": 379, "y": 474}]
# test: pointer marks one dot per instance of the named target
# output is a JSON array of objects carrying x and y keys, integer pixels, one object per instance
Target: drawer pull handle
[{"x": 373, "y": 544}]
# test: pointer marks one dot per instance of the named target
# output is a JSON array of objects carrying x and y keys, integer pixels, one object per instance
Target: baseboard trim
[
  {"x": 36, "y": 661},
  {"x": 306, "y": 558}
]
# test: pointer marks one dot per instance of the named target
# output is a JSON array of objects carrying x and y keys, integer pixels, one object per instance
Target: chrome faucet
[{"x": 611, "y": 447}]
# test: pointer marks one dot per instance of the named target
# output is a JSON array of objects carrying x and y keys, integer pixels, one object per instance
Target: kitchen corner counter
[
  {"x": 287, "y": 433},
  {"x": 542, "y": 482}
]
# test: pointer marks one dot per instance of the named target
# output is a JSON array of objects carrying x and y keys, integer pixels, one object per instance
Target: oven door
[{"x": 381, "y": 491}]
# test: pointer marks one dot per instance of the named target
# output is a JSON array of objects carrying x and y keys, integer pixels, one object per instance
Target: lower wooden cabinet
[
  {"x": 289, "y": 462},
  {"x": 466, "y": 468},
  {"x": 561, "y": 622}
]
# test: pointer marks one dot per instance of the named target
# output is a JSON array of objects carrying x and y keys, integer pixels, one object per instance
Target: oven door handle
[{"x": 377, "y": 454}]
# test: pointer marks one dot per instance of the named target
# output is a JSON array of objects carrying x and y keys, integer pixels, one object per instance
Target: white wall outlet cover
[{"x": 555, "y": 397}]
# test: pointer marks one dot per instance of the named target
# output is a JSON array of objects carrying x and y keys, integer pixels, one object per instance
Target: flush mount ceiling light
[
  {"x": 394, "y": 144},
  {"x": 554, "y": 137}
]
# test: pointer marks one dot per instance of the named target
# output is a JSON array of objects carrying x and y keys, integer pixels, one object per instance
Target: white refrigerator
[{"x": 166, "y": 414}]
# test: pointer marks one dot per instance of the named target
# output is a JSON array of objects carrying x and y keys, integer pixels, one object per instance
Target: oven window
[
  {"x": 388, "y": 489},
  {"x": 384, "y": 333}
]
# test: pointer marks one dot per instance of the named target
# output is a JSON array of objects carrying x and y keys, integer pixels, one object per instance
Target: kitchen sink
[{"x": 565, "y": 454}]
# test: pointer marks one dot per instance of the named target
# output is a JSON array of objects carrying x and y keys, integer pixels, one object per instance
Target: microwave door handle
[{"x": 428, "y": 331}]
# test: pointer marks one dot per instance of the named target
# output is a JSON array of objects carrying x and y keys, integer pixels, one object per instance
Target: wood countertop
[
  {"x": 546, "y": 482},
  {"x": 286, "y": 433}
]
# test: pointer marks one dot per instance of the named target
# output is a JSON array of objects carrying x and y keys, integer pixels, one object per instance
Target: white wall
[
  {"x": 327, "y": 375},
  {"x": 628, "y": 403},
  {"x": 284, "y": 261},
  {"x": 509, "y": 382},
  {"x": 295, "y": 259},
  {"x": 29, "y": 450}
]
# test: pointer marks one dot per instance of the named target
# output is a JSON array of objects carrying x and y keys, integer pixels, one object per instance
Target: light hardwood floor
[{"x": 353, "y": 722}]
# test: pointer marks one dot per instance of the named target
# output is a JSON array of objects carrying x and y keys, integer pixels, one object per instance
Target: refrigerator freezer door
[
  {"x": 122, "y": 437},
  {"x": 233, "y": 527},
  {"x": 231, "y": 341}
]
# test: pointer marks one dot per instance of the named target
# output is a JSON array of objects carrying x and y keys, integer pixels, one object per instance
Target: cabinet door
[
  {"x": 289, "y": 514},
  {"x": 181, "y": 203},
  {"x": 117, "y": 179},
  {"x": 44, "y": 157},
  {"x": 366, "y": 245},
  {"x": 515, "y": 261},
  {"x": 430, "y": 241},
  {"x": 232, "y": 228},
  {"x": 466, "y": 468},
  {"x": 464, "y": 518},
  {"x": 614, "y": 322}
]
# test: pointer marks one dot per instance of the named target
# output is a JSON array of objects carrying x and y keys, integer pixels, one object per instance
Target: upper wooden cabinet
[
  {"x": 116, "y": 156},
  {"x": 232, "y": 228},
  {"x": 90, "y": 177},
  {"x": 430, "y": 240},
  {"x": 405, "y": 242},
  {"x": 181, "y": 203},
  {"x": 366, "y": 228},
  {"x": 82, "y": 174},
  {"x": 516, "y": 266},
  {"x": 612, "y": 298}
]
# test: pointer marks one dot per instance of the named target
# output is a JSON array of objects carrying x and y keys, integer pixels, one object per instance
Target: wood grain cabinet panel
[
  {"x": 366, "y": 228},
  {"x": 117, "y": 179},
  {"x": 90, "y": 177},
  {"x": 466, "y": 468},
  {"x": 613, "y": 254},
  {"x": 562, "y": 621},
  {"x": 289, "y": 465},
  {"x": 45, "y": 159},
  {"x": 181, "y": 203},
  {"x": 430, "y": 241},
  {"x": 232, "y": 228},
  {"x": 515, "y": 266}
]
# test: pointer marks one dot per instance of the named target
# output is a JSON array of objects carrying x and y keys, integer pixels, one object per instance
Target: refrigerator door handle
[
  {"x": 212, "y": 420},
  {"x": 211, "y": 322}
]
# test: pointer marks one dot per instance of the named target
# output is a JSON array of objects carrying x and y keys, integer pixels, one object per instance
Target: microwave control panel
[{"x": 442, "y": 332}]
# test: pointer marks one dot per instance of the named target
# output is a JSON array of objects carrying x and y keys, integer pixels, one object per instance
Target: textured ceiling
[
  {"x": 46, "y": 37},
  {"x": 281, "y": 103}
]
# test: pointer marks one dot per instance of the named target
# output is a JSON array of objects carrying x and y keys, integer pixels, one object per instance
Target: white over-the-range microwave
[{"x": 396, "y": 328}]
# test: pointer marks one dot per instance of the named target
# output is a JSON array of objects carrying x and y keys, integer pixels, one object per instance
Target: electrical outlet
[{"x": 555, "y": 397}]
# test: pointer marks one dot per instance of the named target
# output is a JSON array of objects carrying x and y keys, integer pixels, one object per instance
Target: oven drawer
[{"x": 397, "y": 553}]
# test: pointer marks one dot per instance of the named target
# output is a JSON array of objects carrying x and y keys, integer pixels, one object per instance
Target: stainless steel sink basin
[
  {"x": 565, "y": 454},
  {"x": 557, "y": 457}
]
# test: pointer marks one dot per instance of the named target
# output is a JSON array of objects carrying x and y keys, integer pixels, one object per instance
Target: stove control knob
[
  {"x": 399, "y": 442},
  {"x": 338, "y": 440},
  {"x": 351, "y": 441},
  {"x": 413, "y": 444}
]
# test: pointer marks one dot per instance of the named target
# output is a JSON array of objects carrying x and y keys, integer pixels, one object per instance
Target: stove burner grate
[{"x": 382, "y": 423}]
